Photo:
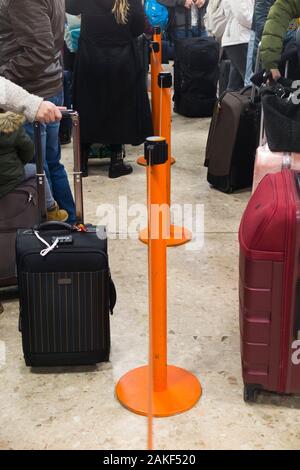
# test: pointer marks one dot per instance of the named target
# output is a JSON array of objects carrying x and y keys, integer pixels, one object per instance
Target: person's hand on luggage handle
[
  {"x": 188, "y": 3},
  {"x": 276, "y": 75},
  {"x": 199, "y": 3},
  {"x": 48, "y": 112}
]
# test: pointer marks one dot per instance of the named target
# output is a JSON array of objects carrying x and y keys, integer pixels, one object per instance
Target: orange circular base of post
[
  {"x": 141, "y": 161},
  {"x": 182, "y": 393},
  {"x": 178, "y": 236}
]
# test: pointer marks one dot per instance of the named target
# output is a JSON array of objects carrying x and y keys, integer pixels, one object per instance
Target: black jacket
[
  {"x": 16, "y": 149},
  {"x": 180, "y": 17},
  {"x": 109, "y": 80},
  {"x": 31, "y": 41}
]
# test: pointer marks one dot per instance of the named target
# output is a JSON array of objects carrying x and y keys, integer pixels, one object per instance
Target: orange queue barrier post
[
  {"x": 158, "y": 389},
  {"x": 177, "y": 235},
  {"x": 157, "y": 38},
  {"x": 156, "y": 69}
]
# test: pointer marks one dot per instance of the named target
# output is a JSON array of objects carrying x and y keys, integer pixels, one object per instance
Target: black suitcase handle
[
  {"x": 54, "y": 225},
  {"x": 112, "y": 295}
]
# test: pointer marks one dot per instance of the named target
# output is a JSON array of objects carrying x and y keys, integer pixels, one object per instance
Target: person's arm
[
  {"x": 16, "y": 99},
  {"x": 280, "y": 15},
  {"x": 243, "y": 11},
  {"x": 261, "y": 11},
  {"x": 32, "y": 31},
  {"x": 24, "y": 146}
]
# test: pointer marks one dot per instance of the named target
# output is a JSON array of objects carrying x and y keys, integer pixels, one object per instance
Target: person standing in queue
[{"x": 109, "y": 85}]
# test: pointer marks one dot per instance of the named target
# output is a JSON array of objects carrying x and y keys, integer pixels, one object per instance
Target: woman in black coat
[{"x": 109, "y": 84}]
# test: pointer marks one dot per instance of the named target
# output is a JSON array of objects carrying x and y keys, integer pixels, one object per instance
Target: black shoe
[
  {"x": 65, "y": 138},
  {"x": 118, "y": 169}
]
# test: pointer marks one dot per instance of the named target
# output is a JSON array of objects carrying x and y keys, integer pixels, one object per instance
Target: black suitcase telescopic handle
[
  {"x": 77, "y": 174},
  {"x": 40, "y": 172}
]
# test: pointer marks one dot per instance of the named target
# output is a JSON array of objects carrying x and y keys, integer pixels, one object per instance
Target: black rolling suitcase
[
  {"x": 66, "y": 291},
  {"x": 196, "y": 74}
]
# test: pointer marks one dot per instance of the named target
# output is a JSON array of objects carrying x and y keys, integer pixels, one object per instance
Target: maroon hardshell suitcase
[{"x": 270, "y": 287}]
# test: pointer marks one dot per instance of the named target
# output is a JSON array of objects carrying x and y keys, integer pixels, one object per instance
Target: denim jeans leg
[
  {"x": 54, "y": 169},
  {"x": 59, "y": 179},
  {"x": 249, "y": 71},
  {"x": 30, "y": 131},
  {"x": 68, "y": 101},
  {"x": 30, "y": 172}
]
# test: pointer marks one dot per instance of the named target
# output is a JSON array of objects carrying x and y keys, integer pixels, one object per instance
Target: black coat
[{"x": 109, "y": 82}]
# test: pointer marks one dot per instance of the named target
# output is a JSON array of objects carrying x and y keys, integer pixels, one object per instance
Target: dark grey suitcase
[
  {"x": 17, "y": 210},
  {"x": 66, "y": 292}
]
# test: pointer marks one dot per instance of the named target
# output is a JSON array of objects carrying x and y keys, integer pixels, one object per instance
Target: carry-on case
[
  {"x": 269, "y": 239},
  {"x": 233, "y": 139},
  {"x": 18, "y": 209},
  {"x": 196, "y": 73},
  {"x": 66, "y": 291}
]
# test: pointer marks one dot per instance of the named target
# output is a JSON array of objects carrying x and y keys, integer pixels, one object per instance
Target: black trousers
[{"x": 238, "y": 57}]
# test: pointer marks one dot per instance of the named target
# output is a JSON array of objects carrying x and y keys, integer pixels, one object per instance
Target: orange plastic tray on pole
[{"x": 158, "y": 389}]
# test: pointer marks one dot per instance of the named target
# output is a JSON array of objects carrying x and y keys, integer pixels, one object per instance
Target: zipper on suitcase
[
  {"x": 297, "y": 312},
  {"x": 290, "y": 243}
]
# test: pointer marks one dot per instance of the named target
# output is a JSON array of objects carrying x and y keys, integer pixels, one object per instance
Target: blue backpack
[{"x": 156, "y": 13}]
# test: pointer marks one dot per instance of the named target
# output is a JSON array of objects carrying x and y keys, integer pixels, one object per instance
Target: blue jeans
[
  {"x": 249, "y": 70},
  {"x": 54, "y": 169},
  {"x": 193, "y": 32},
  {"x": 30, "y": 172},
  {"x": 68, "y": 99}
]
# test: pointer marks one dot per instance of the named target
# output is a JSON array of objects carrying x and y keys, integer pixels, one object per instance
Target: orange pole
[
  {"x": 155, "y": 62},
  {"x": 157, "y": 38},
  {"x": 162, "y": 106},
  {"x": 165, "y": 83},
  {"x": 157, "y": 221},
  {"x": 155, "y": 91},
  {"x": 158, "y": 389}
]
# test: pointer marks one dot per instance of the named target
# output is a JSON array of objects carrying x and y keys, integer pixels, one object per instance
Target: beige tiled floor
[{"x": 77, "y": 409}]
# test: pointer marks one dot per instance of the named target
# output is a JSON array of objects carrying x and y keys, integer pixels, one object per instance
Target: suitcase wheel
[{"x": 250, "y": 393}]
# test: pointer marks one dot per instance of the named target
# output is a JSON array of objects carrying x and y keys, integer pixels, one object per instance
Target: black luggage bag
[
  {"x": 66, "y": 291},
  {"x": 196, "y": 74}
]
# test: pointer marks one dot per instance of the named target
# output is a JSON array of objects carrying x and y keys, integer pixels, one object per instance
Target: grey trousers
[{"x": 238, "y": 56}]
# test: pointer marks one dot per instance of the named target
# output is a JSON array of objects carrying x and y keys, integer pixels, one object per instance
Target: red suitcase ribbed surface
[{"x": 269, "y": 272}]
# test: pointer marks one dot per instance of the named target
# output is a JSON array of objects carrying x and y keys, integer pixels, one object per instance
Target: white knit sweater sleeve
[{"x": 16, "y": 99}]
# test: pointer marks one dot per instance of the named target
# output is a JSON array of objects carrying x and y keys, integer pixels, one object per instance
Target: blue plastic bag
[{"x": 156, "y": 13}]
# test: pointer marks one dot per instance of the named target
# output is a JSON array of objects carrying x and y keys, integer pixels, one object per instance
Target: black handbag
[{"x": 282, "y": 119}]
